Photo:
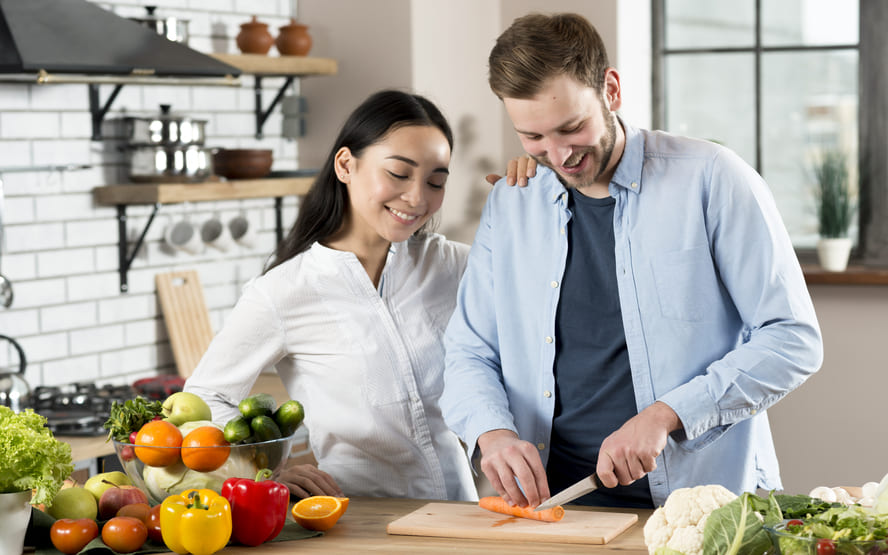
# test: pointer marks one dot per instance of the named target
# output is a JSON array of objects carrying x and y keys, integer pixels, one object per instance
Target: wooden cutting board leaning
[
  {"x": 186, "y": 316},
  {"x": 471, "y": 521}
]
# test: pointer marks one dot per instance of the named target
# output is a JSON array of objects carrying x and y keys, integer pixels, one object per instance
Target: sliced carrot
[{"x": 498, "y": 505}]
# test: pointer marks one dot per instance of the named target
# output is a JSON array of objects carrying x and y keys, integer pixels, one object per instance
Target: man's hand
[
  {"x": 518, "y": 172},
  {"x": 305, "y": 480},
  {"x": 629, "y": 453},
  {"x": 504, "y": 459}
]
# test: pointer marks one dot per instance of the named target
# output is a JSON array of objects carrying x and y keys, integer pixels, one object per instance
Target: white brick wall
[{"x": 61, "y": 248}]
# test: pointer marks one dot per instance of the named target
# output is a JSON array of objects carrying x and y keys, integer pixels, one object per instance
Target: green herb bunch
[
  {"x": 835, "y": 202},
  {"x": 30, "y": 457},
  {"x": 129, "y": 416}
]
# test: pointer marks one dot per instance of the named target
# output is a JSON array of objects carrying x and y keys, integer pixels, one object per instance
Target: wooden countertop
[
  {"x": 362, "y": 530},
  {"x": 85, "y": 448}
]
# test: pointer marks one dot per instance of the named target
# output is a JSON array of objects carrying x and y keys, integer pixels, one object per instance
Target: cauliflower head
[{"x": 678, "y": 525}]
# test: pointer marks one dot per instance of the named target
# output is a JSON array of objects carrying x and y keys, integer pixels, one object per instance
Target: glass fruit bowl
[
  {"x": 786, "y": 542},
  {"x": 172, "y": 470}
]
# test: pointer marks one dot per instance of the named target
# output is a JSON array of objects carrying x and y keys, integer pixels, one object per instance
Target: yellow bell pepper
[{"x": 197, "y": 521}]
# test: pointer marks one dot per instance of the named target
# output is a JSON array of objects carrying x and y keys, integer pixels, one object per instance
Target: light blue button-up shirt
[{"x": 718, "y": 320}]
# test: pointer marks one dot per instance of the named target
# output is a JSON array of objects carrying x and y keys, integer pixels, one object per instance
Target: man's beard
[{"x": 605, "y": 148}]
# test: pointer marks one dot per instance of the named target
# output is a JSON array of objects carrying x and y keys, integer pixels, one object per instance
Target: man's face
[{"x": 569, "y": 128}]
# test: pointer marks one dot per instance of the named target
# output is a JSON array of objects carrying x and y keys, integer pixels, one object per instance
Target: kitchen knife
[{"x": 581, "y": 488}]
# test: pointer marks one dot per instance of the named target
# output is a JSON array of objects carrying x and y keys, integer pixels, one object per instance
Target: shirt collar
[{"x": 628, "y": 172}]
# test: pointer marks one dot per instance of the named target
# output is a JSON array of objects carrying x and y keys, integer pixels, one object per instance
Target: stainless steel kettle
[{"x": 15, "y": 392}]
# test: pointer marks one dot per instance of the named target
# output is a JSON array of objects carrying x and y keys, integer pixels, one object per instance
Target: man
[{"x": 634, "y": 311}]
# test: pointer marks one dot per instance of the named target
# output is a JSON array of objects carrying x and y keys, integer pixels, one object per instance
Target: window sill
[{"x": 854, "y": 275}]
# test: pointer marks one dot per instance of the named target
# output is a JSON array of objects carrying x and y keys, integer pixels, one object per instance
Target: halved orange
[{"x": 319, "y": 512}]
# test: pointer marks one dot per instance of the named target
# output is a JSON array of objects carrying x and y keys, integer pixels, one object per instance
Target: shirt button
[
  {"x": 554, "y": 284},
  {"x": 547, "y": 394},
  {"x": 549, "y": 340},
  {"x": 541, "y": 446},
  {"x": 562, "y": 231},
  {"x": 634, "y": 185},
  {"x": 753, "y": 411},
  {"x": 563, "y": 196}
]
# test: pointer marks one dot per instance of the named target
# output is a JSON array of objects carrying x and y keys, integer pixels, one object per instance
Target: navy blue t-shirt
[{"x": 593, "y": 384}]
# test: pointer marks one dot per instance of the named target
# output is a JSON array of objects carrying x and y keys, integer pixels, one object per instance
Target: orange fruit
[
  {"x": 157, "y": 443},
  {"x": 204, "y": 449},
  {"x": 319, "y": 512}
]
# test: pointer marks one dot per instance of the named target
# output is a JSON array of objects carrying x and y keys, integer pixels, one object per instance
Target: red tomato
[
  {"x": 132, "y": 437},
  {"x": 70, "y": 535},
  {"x": 124, "y": 534},
  {"x": 795, "y": 522},
  {"x": 153, "y": 524},
  {"x": 826, "y": 547}
]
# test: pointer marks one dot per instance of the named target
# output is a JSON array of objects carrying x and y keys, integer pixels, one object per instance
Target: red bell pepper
[{"x": 258, "y": 507}]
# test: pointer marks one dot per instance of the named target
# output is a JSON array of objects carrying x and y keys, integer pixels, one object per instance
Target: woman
[{"x": 351, "y": 312}]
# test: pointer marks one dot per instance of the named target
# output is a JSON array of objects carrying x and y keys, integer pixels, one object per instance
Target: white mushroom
[{"x": 824, "y": 493}]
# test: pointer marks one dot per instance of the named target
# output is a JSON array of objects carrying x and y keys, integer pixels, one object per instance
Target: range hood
[{"x": 78, "y": 37}]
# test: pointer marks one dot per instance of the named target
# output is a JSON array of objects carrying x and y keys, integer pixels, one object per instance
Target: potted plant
[
  {"x": 835, "y": 209},
  {"x": 33, "y": 466}
]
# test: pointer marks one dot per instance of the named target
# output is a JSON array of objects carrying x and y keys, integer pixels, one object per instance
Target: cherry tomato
[
  {"x": 826, "y": 547},
  {"x": 124, "y": 534},
  {"x": 132, "y": 436},
  {"x": 70, "y": 535},
  {"x": 795, "y": 522},
  {"x": 153, "y": 524}
]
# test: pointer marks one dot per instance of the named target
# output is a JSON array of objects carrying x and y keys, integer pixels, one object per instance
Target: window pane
[
  {"x": 809, "y": 103},
  {"x": 712, "y": 96},
  {"x": 708, "y": 24},
  {"x": 809, "y": 22}
]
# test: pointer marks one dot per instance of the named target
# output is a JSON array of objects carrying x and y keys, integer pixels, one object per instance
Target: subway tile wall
[{"x": 60, "y": 248}]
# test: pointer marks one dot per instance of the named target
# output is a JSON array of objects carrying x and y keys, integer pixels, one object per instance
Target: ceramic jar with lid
[
  {"x": 293, "y": 39},
  {"x": 254, "y": 37}
]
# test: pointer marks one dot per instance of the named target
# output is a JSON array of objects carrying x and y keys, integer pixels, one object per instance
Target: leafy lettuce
[{"x": 30, "y": 457}]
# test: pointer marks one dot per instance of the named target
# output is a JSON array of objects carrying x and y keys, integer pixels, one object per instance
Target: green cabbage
[{"x": 30, "y": 457}]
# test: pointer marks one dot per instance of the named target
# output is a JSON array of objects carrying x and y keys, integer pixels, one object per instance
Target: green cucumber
[
  {"x": 264, "y": 429},
  {"x": 260, "y": 404},
  {"x": 289, "y": 416}
]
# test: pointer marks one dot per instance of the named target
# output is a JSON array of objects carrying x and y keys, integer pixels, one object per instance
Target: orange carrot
[{"x": 498, "y": 505}]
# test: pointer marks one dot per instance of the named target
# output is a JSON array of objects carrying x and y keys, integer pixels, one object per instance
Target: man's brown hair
[{"x": 536, "y": 47}]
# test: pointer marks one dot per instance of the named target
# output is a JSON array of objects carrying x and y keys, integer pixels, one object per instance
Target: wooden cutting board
[
  {"x": 186, "y": 316},
  {"x": 451, "y": 520}
]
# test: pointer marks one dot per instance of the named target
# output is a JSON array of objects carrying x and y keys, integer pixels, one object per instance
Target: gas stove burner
[{"x": 79, "y": 408}]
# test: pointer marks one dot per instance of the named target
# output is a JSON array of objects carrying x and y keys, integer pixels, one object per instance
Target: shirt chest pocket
[{"x": 686, "y": 283}]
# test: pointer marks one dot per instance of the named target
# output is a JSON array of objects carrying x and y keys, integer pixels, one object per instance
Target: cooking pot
[
  {"x": 170, "y": 164},
  {"x": 172, "y": 28},
  {"x": 15, "y": 392},
  {"x": 164, "y": 129}
]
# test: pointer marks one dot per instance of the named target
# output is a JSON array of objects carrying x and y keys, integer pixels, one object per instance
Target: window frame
[{"x": 872, "y": 248}]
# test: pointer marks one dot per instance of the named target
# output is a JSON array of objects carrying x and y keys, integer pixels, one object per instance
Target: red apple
[{"x": 114, "y": 498}]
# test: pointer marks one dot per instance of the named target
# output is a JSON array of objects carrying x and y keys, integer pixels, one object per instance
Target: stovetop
[{"x": 78, "y": 409}]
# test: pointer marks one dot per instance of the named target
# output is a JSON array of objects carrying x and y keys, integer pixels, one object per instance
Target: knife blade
[{"x": 581, "y": 488}]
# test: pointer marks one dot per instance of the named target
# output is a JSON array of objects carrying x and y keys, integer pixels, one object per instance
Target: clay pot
[
  {"x": 254, "y": 37},
  {"x": 242, "y": 163},
  {"x": 293, "y": 39}
]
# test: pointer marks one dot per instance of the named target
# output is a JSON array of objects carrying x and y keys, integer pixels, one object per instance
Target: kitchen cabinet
[{"x": 159, "y": 194}]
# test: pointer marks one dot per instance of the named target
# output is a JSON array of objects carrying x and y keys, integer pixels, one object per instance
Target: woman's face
[{"x": 397, "y": 184}]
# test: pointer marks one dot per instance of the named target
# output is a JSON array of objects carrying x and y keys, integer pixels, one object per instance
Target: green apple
[
  {"x": 76, "y": 502},
  {"x": 100, "y": 482},
  {"x": 182, "y": 407}
]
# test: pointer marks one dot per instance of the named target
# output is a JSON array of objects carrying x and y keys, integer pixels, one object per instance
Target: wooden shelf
[
  {"x": 854, "y": 275},
  {"x": 258, "y": 64},
  {"x": 159, "y": 194},
  {"x": 169, "y": 193}
]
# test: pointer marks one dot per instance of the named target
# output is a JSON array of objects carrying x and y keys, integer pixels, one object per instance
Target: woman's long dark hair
[{"x": 323, "y": 208}]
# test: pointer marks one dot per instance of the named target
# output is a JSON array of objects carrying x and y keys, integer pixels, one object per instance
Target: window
[{"x": 774, "y": 80}]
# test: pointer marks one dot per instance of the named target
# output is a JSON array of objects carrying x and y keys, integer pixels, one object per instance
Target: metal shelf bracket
[
  {"x": 262, "y": 115},
  {"x": 125, "y": 258},
  {"x": 97, "y": 111}
]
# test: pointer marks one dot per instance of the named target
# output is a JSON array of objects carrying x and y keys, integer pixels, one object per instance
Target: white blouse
[{"x": 366, "y": 364}]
